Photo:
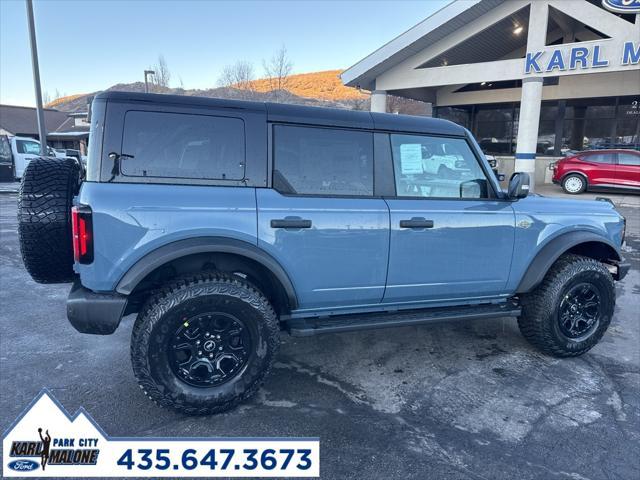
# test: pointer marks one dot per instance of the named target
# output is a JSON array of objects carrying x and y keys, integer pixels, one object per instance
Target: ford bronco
[{"x": 220, "y": 223}]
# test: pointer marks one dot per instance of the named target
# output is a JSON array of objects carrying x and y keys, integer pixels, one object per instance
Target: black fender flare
[
  {"x": 182, "y": 248},
  {"x": 548, "y": 254}
]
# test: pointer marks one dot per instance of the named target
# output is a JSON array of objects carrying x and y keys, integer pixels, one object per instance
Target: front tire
[
  {"x": 574, "y": 184},
  {"x": 204, "y": 344},
  {"x": 569, "y": 312}
]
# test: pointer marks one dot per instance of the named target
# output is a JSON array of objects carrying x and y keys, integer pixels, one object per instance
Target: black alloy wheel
[
  {"x": 209, "y": 349},
  {"x": 579, "y": 311}
]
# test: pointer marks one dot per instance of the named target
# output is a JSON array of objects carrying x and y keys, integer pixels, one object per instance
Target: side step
[{"x": 306, "y": 327}]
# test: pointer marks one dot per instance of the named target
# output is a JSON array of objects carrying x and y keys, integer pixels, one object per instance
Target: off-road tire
[
  {"x": 573, "y": 177},
  {"x": 44, "y": 218},
  {"x": 539, "y": 322},
  {"x": 163, "y": 310}
]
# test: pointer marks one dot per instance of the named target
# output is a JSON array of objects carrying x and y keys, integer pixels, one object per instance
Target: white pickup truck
[{"x": 23, "y": 150}]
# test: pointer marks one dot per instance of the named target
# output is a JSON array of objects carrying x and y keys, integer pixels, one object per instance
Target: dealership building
[{"x": 532, "y": 79}]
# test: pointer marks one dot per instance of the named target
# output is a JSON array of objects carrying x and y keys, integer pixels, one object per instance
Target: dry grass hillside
[
  {"x": 321, "y": 85},
  {"x": 63, "y": 100}
]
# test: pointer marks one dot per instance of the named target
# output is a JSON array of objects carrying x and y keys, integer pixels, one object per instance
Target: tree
[
  {"x": 406, "y": 106},
  {"x": 277, "y": 71},
  {"x": 160, "y": 80},
  {"x": 240, "y": 77},
  {"x": 360, "y": 104}
]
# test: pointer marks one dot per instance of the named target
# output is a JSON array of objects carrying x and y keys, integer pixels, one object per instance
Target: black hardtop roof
[{"x": 299, "y": 114}]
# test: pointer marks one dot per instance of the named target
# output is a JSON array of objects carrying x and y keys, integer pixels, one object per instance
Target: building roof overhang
[{"x": 435, "y": 27}]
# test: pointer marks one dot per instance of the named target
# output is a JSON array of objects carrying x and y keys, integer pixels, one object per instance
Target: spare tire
[{"x": 44, "y": 218}]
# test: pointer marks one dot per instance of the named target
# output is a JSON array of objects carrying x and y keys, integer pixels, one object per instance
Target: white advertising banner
[{"x": 45, "y": 441}]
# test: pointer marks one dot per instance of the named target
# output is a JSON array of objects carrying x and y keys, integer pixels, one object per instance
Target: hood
[{"x": 536, "y": 203}]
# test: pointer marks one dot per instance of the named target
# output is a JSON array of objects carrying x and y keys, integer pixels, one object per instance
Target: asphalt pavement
[{"x": 468, "y": 400}]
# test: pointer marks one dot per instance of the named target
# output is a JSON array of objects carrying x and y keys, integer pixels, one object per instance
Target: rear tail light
[{"x": 82, "y": 232}]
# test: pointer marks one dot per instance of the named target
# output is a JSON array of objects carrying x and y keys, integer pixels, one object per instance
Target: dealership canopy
[{"x": 529, "y": 78}]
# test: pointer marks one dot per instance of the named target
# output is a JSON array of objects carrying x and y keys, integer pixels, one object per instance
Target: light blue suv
[{"x": 220, "y": 223}]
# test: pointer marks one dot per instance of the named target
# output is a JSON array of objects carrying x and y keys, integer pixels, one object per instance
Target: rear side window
[
  {"x": 179, "y": 145},
  {"x": 628, "y": 159},
  {"x": 599, "y": 158},
  {"x": 322, "y": 161}
]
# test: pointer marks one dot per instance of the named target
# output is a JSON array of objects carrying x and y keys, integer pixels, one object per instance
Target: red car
[{"x": 598, "y": 169}]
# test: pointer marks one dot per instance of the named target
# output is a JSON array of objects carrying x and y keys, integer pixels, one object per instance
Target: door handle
[
  {"x": 416, "y": 223},
  {"x": 291, "y": 223}
]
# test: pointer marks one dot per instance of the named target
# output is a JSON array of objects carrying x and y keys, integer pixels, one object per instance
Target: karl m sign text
[{"x": 579, "y": 58}]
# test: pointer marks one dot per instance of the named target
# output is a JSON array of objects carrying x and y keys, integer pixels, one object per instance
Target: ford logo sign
[
  {"x": 622, "y": 6},
  {"x": 23, "y": 465}
]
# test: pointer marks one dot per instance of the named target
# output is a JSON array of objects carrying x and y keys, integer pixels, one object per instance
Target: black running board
[{"x": 306, "y": 327}]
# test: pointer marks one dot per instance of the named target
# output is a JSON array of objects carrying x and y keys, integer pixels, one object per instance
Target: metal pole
[
  {"x": 146, "y": 82},
  {"x": 42, "y": 131}
]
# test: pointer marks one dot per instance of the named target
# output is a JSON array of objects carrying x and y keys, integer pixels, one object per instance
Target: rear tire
[
  {"x": 204, "y": 343},
  {"x": 44, "y": 218},
  {"x": 569, "y": 312},
  {"x": 574, "y": 184}
]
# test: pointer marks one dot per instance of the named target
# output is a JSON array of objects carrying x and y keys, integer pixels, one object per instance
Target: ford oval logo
[
  {"x": 23, "y": 465},
  {"x": 622, "y": 6}
]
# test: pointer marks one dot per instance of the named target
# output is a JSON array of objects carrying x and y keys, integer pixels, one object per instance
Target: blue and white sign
[
  {"x": 579, "y": 58},
  {"x": 46, "y": 441},
  {"x": 622, "y": 6}
]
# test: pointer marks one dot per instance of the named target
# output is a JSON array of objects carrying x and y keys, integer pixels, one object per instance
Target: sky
[{"x": 84, "y": 46}]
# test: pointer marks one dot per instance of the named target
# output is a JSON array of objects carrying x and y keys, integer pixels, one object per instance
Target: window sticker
[{"x": 411, "y": 158}]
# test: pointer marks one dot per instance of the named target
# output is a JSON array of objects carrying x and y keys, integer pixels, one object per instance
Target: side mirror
[{"x": 519, "y": 185}]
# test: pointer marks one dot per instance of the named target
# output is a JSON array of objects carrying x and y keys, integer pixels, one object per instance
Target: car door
[
  {"x": 449, "y": 239},
  {"x": 26, "y": 150},
  {"x": 628, "y": 169},
  {"x": 600, "y": 167},
  {"x": 321, "y": 220}
]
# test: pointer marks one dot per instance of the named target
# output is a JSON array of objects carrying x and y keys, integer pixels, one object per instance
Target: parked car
[
  {"x": 25, "y": 149},
  {"x": 598, "y": 169},
  {"x": 221, "y": 222}
]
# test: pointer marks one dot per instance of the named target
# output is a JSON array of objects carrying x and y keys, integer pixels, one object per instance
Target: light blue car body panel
[
  {"x": 467, "y": 254},
  {"x": 340, "y": 261},
  {"x": 354, "y": 258},
  {"x": 539, "y": 220},
  {"x": 132, "y": 220}
]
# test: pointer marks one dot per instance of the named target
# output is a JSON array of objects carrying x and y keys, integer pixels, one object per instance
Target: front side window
[
  {"x": 322, "y": 161},
  {"x": 433, "y": 167},
  {"x": 177, "y": 145},
  {"x": 629, "y": 159},
  {"x": 28, "y": 147}
]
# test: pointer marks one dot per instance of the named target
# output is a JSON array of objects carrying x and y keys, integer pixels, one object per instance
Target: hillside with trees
[{"x": 239, "y": 81}]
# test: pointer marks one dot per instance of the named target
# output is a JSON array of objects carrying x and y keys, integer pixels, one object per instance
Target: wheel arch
[
  {"x": 583, "y": 243},
  {"x": 575, "y": 172},
  {"x": 226, "y": 254}
]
